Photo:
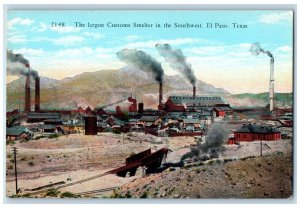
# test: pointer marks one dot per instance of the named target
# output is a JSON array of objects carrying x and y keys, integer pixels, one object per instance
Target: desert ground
[{"x": 75, "y": 157}]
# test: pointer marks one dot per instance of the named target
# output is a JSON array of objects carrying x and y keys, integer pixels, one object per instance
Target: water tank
[
  {"x": 141, "y": 108},
  {"x": 90, "y": 125}
]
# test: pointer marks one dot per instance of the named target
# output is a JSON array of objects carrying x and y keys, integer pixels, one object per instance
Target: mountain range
[{"x": 107, "y": 86}]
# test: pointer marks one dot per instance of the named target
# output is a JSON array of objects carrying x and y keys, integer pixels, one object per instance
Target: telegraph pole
[
  {"x": 261, "y": 147},
  {"x": 16, "y": 173}
]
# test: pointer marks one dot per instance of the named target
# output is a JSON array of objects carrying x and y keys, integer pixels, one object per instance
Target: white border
[{"x": 118, "y": 4}]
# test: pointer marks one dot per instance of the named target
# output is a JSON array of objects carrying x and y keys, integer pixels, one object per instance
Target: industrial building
[
  {"x": 39, "y": 117},
  {"x": 254, "y": 132},
  {"x": 16, "y": 133},
  {"x": 196, "y": 103}
]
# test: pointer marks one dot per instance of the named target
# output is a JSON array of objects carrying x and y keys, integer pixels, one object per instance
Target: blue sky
[{"x": 218, "y": 56}]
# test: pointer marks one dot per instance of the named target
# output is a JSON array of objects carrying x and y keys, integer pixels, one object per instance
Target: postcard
[{"x": 156, "y": 104}]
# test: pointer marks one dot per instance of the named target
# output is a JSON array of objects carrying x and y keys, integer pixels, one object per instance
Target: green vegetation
[
  {"x": 38, "y": 137},
  {"x": 52, "y": 192},
  {"x": 117, "y": 195},
  {"x": 10, "y": 142},
  {"x": 116, "y": 131},
  {"x": 280, "y": 98},
  {"x": 144, "y": 195},
  {"x": 53, "y": 136},
  {"x": 68, "y": 194}
]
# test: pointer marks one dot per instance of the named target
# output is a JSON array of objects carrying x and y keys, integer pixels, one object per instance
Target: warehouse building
[
  {"x": 197, "y": 103},
  {"x": 254, "y": 132}
]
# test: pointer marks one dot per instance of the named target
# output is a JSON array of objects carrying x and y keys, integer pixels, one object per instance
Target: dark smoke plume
[
  {"x": 18, "y": 65},
  {"x": 143, "y": 61},
  {"x": 256, "y": 49},
  {"x": 177, "y": 61},
  {"x": 211, "y": 146}
]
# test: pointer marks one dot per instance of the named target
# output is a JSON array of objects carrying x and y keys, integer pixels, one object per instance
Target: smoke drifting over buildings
[
  {"x": 177, "y": 61},
  {"x": 256, "y": 49},
  {"x": 18, "y": 65},
  {"x": 143, "y": 61},
  {"x": 209, "y": 148}
]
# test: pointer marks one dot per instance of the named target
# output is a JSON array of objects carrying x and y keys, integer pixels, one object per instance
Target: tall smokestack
[
  {"x": 271, "y": 96},
  {"x": 160, "y": 92},
  {"x": 37, "y": 94},
  {"x": 194, "y": 91},
  {"x": 27, "y": 94},
  {"x": 256, "y": 49}
]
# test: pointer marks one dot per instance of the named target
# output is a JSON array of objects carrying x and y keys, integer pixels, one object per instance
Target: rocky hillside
[
  {"x": 103, "y": 87},
  {"x": 269, "y": 176}
]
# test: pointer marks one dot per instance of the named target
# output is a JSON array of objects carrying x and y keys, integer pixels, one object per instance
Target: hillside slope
[{"x": 103, "y": 87}]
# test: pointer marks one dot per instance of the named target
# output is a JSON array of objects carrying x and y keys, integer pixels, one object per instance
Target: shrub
[
  {"x": 197, "y": 170},
  {"x": 144, "y": 195},
  {"x": 218, "y": 161},
  {"x": 116, "y": 131},
  {"x": 211, "y": 162},
  {"x": 227, "y": 160},
  {"x": 52, "y": 192},
  {"x": 31, "y": 163},
  {"x": 10, "y": 142},
  {"x": 39, "y": 137},
  {"x": 68, "y": 194},
  {"x": 53, "y": 136},
  {"x": 116, "y": 194},
  {"x": 128, "y": 194}
]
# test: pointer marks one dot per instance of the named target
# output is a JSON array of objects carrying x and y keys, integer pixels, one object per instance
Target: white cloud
[
  {"x": 42, "y": 27},
  {"x": 68, "y": 40},
  {"x": 131, "y": 37},
  {"x": 74, "y": 52},
  {"x": 19, "y": 21},
  {"x": 173, "y": 42},
  {"x": 105, "y": 50},
  {"x": 275, "y": 18},
  {"x": 66, "y": 29},
  {"x": 93, "y": 35},
  {"x": 284, "y": 49},
  {"x": 21, "y": 39},
  {"x": 105, "y": 56},
  {"x": 30, "y": 52}
]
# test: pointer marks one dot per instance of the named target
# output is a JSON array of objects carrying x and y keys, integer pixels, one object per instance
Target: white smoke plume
[{"x": 256, "y": 49}]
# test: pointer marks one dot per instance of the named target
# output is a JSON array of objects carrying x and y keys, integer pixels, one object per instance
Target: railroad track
[
  {"x": 72, "y": 183},
  {"x": 97, "y": 191}
]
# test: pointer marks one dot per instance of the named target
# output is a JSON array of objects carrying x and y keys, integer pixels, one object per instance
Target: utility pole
[
  {"x": 261, "y": 147},
  {"x": 16, "y": 173}
]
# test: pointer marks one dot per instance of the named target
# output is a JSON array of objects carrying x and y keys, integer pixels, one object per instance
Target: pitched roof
[
  {"x": 149, "y": 118},
  {"x": 15, "y": 131},
  {"x": 254, "y": 128},
  {"x": 198, "y": 100},
  {"x": 43, "y": 115},
  {"x": 191, "y": 121}
]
